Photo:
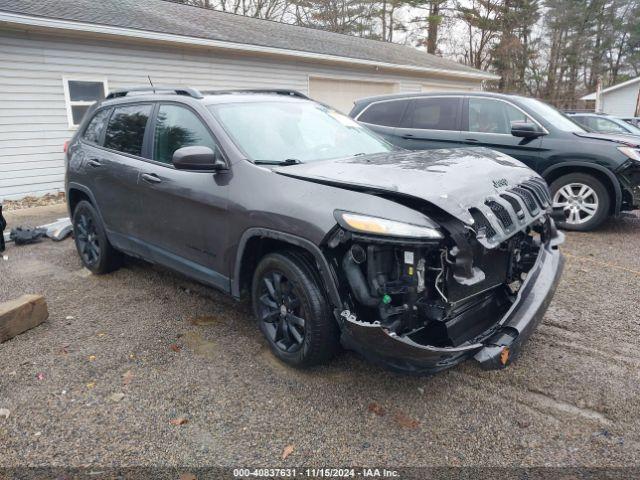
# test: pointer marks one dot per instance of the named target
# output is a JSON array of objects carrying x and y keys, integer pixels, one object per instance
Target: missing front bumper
[{"x": 507, "y": 335}]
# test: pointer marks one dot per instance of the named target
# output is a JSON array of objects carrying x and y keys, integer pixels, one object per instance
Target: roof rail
[
  {"x": 186, "y": 91},
  {"x": 275, "y": 91}
]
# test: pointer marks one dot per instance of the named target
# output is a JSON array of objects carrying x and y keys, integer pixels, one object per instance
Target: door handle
[
  {"x": 407, "y": 136},
  {"x": 94, "y": 163},
  {"x": 473, "y": 140},
  {"x": 151, "y": 178}
]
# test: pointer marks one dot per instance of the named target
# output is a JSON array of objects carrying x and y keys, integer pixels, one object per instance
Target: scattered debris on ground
[
  {"x": 59, "y": 230},
  {"x": 377, "y": 409},
  {"x": 116, "y": 397},
  {"x": 178, "y": 421},
  {"x": 288, "y": 450},
  {"x": 56, "y": 231},
  {"x": 26, "y": 235}
]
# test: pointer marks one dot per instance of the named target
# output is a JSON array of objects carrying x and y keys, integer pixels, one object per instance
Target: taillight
[{"x": 66, "y": 146}]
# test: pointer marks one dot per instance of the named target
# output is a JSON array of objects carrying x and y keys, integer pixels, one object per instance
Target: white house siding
[
  {"x": 621, "y": 101},
  {"x": 33, "y": 116}
]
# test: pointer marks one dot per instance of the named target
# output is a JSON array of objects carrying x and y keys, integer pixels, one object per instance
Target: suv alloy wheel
[
  {"x": 292, "y": 310},
  {"x": 584, "y": 199},
  {"x": 95, "y": 251}
]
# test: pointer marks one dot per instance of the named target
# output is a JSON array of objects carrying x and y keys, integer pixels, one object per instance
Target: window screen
[
  {"x": 125, "y": 131},
  {"x": 178, "y": 127},
  {"x": 85, "y": 91},
  {"x": 387, "y": 114},
  {"x": 93, "y": 132},
  {"x": 433, "y": 114}
]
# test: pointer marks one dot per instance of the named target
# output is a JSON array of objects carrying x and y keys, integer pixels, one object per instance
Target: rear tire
[
  {"x": 584, "y": 199},
  {"x": 95, "y": 251},
  {"x": 292, "y": 311}
]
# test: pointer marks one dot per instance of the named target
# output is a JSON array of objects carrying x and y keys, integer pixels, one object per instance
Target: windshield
[
  {"x": 554, "y": 117},
  {"x": 277, "y": 131},
  {"x": 630, "y": 129}
]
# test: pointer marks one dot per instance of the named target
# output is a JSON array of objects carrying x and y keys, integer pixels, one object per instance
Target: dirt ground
[{"x": 145, "y": 367}]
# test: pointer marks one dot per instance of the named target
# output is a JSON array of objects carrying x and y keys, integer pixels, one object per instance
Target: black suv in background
[
  {"x": 591, "y": 175},
  {"x": 417, "y": 260}
]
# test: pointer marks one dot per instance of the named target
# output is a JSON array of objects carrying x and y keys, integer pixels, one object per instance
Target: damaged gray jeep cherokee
[{"x": 417, "y": 260}]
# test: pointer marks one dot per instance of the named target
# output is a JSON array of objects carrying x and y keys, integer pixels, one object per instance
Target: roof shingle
[{"x": 176, "y": 19}]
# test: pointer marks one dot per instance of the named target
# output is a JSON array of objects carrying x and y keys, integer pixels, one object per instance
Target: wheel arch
[
  {"x": 603, "y": 174},
  {"x": 257, "y": 242},
  {"x": 75, "y": 194}
]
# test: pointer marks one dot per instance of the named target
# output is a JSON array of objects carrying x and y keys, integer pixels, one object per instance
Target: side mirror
[
  {"x": 525, "y": 130},
  {"x": 197, "y": 158}
]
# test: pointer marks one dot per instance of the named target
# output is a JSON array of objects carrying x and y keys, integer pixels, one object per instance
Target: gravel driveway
[{"x": 144, "y": 367}]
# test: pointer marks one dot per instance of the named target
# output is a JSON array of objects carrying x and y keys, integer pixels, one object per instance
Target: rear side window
[
  {"x": 433, "y": 114},
  {"x": 178, "y": 127},
  {"x": 125, "y": 131},
  {"x": 93, "y": 132},
  {"x": 387, "y": 114}
]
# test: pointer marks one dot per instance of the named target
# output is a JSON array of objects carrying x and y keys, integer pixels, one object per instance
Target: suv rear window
[
  {"x": 125, "y": 131},
  {"x": 387, "y": 114},
  {"x": 433, "y": 114},
  {"x": 93, "y": 132}
]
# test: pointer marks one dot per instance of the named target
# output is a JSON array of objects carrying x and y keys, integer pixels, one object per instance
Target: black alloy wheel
[
  {"x": 290, "y": 305},
  {"x": 87, "y": 239},
  {"x": 280, "y": 312},
  {"x": 91, "y": 240}
]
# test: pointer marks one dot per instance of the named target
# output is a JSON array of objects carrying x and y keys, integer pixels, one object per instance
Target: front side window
[
  {"x": 387, "y": 114},
  {"x": 493, "y": 116},
  {"x": 178, "y": 127},
  {"x": 125, "y": 131},
  {"x": 80, "y": 95},
  {"x": 433, "y": 114},
  {"x": 93, "y": 132},
  {"x": 277, "y": 131}
]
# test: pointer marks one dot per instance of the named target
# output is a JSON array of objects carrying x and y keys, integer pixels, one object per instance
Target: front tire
[
  {"x": 292, "y": 311},
  {"x": 95, "y": 251},
  {"x": 584, "y": 199}
]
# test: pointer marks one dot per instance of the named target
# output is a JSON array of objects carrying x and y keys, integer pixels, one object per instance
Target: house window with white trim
[{"x": 79, "y": 95}]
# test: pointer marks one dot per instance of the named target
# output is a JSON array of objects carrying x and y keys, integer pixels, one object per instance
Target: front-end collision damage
[
  {"x": 629, "y": 176},
  {"x": 423, "y": 305}
]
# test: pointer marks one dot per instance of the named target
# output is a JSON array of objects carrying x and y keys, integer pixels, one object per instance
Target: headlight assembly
[
  {"x": 382, "y": 226},
  {"x": 630, "y": 152}
]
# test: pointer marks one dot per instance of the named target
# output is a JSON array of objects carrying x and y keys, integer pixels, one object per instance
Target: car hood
[
  {"x": 628, "y": 140},
  {"x": 454, "y": 180}
]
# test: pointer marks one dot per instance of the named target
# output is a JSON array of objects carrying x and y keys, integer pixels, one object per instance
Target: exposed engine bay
[{"x": 439, "y": 293}]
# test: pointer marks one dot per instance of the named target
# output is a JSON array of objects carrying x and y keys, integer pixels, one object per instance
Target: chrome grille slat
[
  {"x": 542, "y": 188},
  {"x": 482, "y": 223},
  {"x": 515, "y": 204},
  {"x": 537, "y": 191},
  {"x": 528, "y": 198},
  {"x": 501, "y": 212},
  {"x": 510, "y": 210}
]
